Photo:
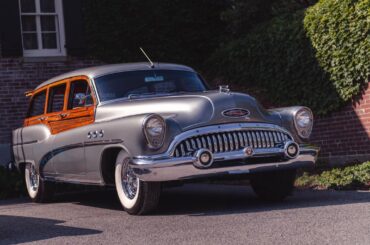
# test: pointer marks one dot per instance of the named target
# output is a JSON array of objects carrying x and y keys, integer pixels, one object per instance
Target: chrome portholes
[
  {"x": 95, "y": 134},
  {"x": 130, "y": 183}
]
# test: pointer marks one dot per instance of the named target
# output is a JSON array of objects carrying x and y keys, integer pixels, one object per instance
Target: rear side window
[
  {"x": 56, "y": 98},
  {"x": 80, "y": 95},
  {"x": 37, "y": 104}
]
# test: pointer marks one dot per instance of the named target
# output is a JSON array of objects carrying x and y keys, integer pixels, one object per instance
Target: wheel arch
[{"x": 108, "y": 161}]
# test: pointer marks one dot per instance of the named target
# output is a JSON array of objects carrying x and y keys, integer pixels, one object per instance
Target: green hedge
[
  {"x": 277, "y": 50},
  {"x": 276, "y": 62},
  {"x": 316, "y": 57},
  {"x": 340, "y": 33}
]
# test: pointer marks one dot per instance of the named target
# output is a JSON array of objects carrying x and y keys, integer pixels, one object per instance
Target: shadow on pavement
[
  {"x": 222, "y": 200},
  {"x": 211, "y": 200},
  {"x": 203, "y": 199},
  {"x": 18, "y": 229}
]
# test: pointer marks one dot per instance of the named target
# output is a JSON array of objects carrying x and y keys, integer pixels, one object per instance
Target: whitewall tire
[
  {"x": 38, "y": 189},
  {"x": 137, "y": 197}
]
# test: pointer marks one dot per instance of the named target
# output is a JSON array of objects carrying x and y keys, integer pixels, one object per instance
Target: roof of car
[{"x": 97, "y": 71}]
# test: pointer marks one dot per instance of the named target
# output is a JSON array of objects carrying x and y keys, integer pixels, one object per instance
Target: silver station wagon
[{"x": 138, "y": 126}]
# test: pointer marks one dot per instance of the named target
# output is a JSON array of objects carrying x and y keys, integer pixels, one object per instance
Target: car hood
[{"x": 189, "y": 110}]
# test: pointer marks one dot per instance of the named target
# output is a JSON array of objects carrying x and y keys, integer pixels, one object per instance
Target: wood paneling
[{"x": 66, "y": 119}]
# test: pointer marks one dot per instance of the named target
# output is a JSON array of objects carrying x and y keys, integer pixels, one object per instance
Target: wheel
[
  {"x": 273, "y": 186},
  {"x": 137, "y": 197},
  {"x": 38, "y": 189}
]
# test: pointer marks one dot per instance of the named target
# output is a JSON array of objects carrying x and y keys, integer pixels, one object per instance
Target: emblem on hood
[{"x": 236, "y": 112}]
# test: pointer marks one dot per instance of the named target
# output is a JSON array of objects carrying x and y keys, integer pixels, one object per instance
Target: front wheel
[
  {"x": 38, "y": 189},
  {"x": 137, "y": 197},
  {"x": 274, "y": 185}
]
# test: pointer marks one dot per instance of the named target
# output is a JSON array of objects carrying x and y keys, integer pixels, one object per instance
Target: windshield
[{"x": 148, "y": 82}]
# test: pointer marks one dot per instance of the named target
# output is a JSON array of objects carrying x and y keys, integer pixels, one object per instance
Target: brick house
[
  {"x": 43, "y": 38},
  {"x": 39, "y": 39}
]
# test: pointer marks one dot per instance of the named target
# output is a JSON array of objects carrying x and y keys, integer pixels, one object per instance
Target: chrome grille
[{"x": 231, "y": 141}]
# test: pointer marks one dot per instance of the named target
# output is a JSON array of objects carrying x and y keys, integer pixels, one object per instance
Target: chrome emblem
[
  {"x": 236, "y": 112},
  {"x": 248, "y": 151}
]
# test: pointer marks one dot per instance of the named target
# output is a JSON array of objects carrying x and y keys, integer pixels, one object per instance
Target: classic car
[{"x": 137, "y": 126}]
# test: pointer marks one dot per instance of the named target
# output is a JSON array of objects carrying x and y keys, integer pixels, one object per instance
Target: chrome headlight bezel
[
  {"x": 303, "y": 122},
  {"x": 154, "y": 129}
]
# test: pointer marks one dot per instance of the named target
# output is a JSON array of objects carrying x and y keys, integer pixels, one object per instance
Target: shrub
[
  {"x": 350, "y": 177},
  {"x": 11, "y": 184},
  {"x": 340, "y": 33}
]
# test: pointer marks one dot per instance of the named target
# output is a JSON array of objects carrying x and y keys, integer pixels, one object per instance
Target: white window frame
[{"x": 60, "y": 34}]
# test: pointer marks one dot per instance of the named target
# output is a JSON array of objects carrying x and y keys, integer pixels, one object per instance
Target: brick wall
[
  {"x": 17, "y": 77},
  {"x": 344, "y": 136}
]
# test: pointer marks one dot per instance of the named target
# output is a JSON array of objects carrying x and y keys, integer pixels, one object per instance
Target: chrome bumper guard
[{"x": 167, "y": 168}]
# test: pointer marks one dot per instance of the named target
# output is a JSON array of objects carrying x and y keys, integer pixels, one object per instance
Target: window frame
[
  {"x": 50, "y": 99},
  {"x": 70, "y": 96},
  {"x": 43, "y": 90},
  {"x": 48, "y": 117},
  {"x": 59, "y": 29}
]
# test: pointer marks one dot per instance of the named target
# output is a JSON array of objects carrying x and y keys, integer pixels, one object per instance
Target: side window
[
  {"x": 56, "y": 98},
  {"x": 79, "y": 95},
  {"x": 37, "y": 104}
]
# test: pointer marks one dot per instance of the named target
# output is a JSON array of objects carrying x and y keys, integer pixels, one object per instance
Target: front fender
[
  {"x": 287, "y": 115},
  {"x": 130, "y": 131}
]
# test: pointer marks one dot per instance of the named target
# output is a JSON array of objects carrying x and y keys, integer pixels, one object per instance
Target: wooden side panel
[
  {"x": 66, "y": 119},
  {"x": 73, "y": 119}
]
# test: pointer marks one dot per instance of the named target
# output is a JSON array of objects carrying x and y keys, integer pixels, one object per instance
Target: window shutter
[
  {"x": 74, "y": 27},
  {"x": 10, "y": 29}
]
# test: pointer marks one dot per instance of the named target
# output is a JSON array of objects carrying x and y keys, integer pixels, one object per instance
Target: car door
[{"x": 68, "y": 125}]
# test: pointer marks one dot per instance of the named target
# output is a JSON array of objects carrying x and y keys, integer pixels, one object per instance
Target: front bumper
[{"x": 165, "y": 168}]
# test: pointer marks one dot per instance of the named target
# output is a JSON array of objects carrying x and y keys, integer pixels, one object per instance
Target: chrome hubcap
[
  {"x": 130, "y": 182},
  {"x": 34, "y": 178}
]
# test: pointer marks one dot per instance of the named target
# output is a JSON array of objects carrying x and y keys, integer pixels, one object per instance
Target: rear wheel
[
  {"x": 273, "y": 186},
  {"x": 38, "y": 189},
  {"x": 137, "y": 197}
]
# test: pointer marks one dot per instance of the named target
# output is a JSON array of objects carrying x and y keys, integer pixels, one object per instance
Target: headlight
[
  {"x": 154, "y": 128},
  {"x": 303, "y": 122}
]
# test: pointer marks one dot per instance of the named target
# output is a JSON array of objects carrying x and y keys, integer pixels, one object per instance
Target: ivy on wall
[
  {"x": 340, "y": 33},
  {"x": 276, "y": 62}
]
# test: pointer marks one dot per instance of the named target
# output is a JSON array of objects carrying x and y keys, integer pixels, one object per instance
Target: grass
[{"x": 345, "y": 178}]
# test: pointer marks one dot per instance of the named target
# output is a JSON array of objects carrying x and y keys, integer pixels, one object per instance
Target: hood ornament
[
  {"x": 224, "y": 89},
  {"x": 236, "y": 113}
]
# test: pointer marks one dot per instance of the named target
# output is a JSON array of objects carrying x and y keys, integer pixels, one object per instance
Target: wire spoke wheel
[
  {"x": 32, "y": 180},
  {"x": 130, "y": 182},
  {"x": 37, "y": 188}
]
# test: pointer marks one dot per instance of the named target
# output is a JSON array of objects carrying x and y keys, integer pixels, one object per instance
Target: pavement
[{"x": 192, "y": 214}]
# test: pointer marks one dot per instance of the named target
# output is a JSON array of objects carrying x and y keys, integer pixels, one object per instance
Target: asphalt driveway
[{"x": 192, "y": 214}]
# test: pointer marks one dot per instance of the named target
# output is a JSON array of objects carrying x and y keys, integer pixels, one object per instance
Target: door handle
[
  {"x": 42, "y": 118},
  {"x": 63, "y": 115}
]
